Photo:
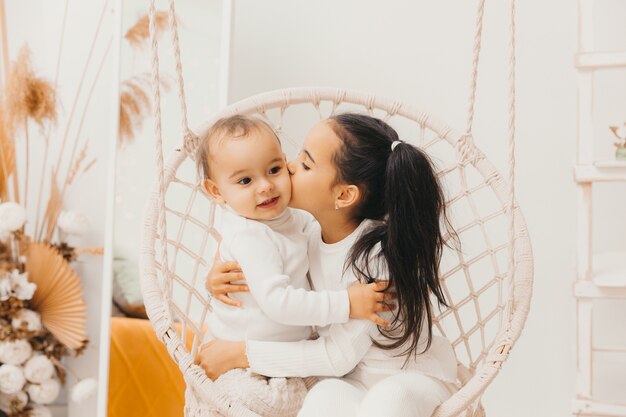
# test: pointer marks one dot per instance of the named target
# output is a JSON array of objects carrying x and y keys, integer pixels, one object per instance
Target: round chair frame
[{"x": 205, "y": 397}]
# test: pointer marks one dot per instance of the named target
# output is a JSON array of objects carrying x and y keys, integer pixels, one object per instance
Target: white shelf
[
  {"x": 595, "y": 408},
  {"x": 587, "y": 289},
  {"x": 597, "y": 60},
  {"x": 601, "y": 171},
  {"x": 608, "y": 277},
  {"x": 609, "y": 163},
  {"x": 609, "y": 269}
]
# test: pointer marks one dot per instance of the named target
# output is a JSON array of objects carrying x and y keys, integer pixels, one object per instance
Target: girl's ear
[
  {"x": 213, "y": 191},
  {"x": 347, "y": 197}
]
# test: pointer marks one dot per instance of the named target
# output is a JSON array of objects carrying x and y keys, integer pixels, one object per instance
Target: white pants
[{"x": 402, "y": 395}]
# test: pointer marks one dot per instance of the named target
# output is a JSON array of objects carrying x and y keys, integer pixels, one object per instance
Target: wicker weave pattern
[{"x": 486, "y": 314}]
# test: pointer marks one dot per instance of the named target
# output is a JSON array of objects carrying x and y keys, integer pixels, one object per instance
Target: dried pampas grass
[
  {"x": 28, "y": 96},
  {"x": 135, "y": 105},
  {"x": 138, "y": 35}
]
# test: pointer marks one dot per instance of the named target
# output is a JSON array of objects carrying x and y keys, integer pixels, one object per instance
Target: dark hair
[
  {"x": 237, "y": 126},
  {"x": 400, "y": 189}
]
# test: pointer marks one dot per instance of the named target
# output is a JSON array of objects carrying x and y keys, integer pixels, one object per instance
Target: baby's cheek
[{"x": 287, "y": 183}]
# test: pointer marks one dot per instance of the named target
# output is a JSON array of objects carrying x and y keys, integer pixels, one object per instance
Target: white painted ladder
[{"x": 598, "y": 275}]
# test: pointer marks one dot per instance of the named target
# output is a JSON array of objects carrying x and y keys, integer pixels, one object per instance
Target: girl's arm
[{"x": 333, "y": 355}]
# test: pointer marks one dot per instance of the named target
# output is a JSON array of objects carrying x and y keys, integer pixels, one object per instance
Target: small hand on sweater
[
  {"x": 368, "y": 299},
  {"x": 219, "y": 356},
  {"x": 220, "y": 280}
]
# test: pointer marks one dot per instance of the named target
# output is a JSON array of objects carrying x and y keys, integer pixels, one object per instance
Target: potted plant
[{"x": 620, "y": 141}]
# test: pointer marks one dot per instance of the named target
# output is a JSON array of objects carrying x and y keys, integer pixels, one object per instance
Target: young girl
[
  {"x": 380, "y": 210},
  {"x": 244, "y": 171}
]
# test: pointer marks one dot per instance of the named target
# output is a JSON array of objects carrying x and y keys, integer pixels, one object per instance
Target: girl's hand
[
  {"x": 219, "y": 280},
  {"x": 368, "y": 299},
  {"x": 218, "y": 357}
]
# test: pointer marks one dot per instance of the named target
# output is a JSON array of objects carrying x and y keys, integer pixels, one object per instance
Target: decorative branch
[{"x": 46, "y": 151}]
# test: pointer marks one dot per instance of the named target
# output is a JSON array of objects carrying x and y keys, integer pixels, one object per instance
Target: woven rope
[
  {"x": 190, "y": 140},
  {"x": 476, "y": 59},
  {"x": 511, "y": 149}
]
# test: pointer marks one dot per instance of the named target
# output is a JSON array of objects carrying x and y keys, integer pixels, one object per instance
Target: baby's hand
[
  {"x": 368, "y": 299},
  {"x": 219, "y": 282}
]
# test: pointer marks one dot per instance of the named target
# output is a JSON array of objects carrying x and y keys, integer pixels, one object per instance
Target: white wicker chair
[{"x": 489, "y": 293}]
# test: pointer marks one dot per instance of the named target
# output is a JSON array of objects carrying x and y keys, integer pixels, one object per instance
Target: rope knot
[
  {"x": 190, "y": 144},
  {"x": 466, "y": 151}
]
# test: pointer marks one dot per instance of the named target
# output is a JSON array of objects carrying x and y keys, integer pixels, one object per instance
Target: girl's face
[{"x": 313, "y": 171}]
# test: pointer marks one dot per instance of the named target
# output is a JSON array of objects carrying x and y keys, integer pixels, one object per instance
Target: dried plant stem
[
  {"x": 6, "y": 158},
  {"x": 48, "y": 132},
  {"x": 89, "y": 250},
  {"x": 4, "y": 174},
  {"x": 80, "y": 84},
  {"x": 40, "y": 232},
  {"x": 52, "y": 209},
  {"x": 5, "y": 44},
  {"x": 68, "y": 177},
  {"x": 77, "y": 164},
  {"x": 43, "y": 171},
  {"x": 5, "y": 61},
  {"x": 27, "y": 141}
]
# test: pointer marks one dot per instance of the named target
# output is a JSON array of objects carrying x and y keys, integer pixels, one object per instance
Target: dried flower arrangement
[
  {"x": 620, "y": 141},
  {"x": 135, "y": 100},
  {"x": 42, "y": 310}
]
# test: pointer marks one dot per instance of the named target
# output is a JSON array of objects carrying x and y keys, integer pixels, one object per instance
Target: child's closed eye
[{"x": 305, "y": 166}]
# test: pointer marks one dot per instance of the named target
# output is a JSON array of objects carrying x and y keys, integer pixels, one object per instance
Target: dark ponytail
[{"x": 399, "y": 188}]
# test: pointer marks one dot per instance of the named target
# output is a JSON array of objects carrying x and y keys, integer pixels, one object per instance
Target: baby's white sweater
[
  {"x": 341, "y": 347},
  {"x": 273, "y": 257}
]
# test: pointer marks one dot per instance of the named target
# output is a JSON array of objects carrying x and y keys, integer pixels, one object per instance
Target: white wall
[{"x": 420, "y": 52}]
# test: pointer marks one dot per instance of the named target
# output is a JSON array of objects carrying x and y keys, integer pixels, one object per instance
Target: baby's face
[{"x": 250, "y": 175}]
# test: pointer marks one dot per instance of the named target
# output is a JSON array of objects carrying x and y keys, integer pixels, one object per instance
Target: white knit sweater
[
  {"x": 341, "y": 347},
  {"x": 280, "y": 305}
]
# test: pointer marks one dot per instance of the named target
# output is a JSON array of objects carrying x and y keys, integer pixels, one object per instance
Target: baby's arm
[{"x": 263, "y": 267}]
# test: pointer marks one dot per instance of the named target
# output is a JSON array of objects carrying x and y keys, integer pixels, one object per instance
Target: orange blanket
[{"x": 143, "y": 379}]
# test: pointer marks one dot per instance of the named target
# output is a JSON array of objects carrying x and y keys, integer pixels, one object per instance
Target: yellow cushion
[{"x": 143, "y": 379}]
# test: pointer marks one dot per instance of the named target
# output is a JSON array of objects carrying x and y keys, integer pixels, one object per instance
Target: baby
[{"x": 245, "y": 172}]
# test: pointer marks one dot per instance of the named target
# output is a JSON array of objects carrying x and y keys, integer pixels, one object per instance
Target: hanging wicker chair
[{"x": 488, "y": 289}]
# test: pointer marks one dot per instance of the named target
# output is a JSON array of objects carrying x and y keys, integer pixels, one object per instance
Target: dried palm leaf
[
  {"x": 58, "y": 298},
  {"x": 137, "y": 36},
  {"x": 28, "y": 96}
]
